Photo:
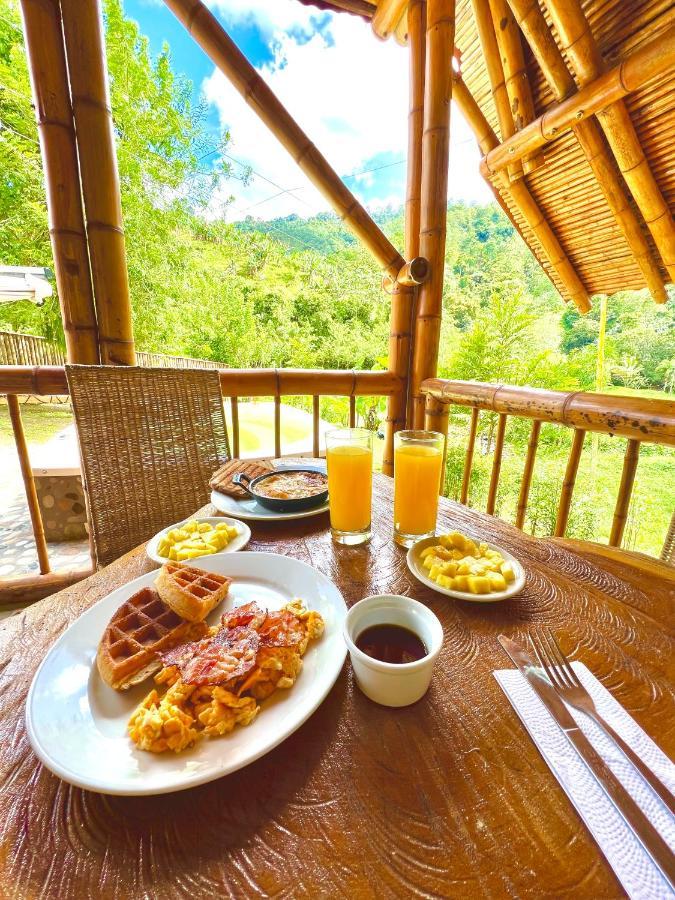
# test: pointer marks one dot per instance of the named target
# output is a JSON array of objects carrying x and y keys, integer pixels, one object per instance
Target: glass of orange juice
[
  {"x": 418, "y": 459},
  {"x": 349, "y": 458}
]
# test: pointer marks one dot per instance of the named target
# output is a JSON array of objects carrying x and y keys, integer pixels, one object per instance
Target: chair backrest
[{"x": 150, "y": 439}]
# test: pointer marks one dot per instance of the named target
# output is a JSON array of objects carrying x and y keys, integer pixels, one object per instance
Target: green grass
[{"x": 41, "y": 421}]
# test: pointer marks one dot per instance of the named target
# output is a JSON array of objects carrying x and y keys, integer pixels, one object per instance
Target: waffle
[
  {"x": 190, "y": 592},
  {"x": 221, "y": 480},
  {"x": 142, "y": 627}
]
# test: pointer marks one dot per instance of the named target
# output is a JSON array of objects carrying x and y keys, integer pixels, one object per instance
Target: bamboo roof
[{"x": 559, "y": 177}]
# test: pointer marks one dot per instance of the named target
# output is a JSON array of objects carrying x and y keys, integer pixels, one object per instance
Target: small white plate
[
  {"x": 252, "y": 510},
  {"x": 237, "y": 543},
  {"x": 77, "y": 725},
  {"x": 416, "y": 567}
]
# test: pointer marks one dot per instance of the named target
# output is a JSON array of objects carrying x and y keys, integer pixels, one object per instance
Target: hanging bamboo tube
[
  {"x": 528, "y": 471},
  {"x": 496, "y": 465},
  {"x": 515, "y": 73},
  {"x": 49, "y": 80},
  {"x": 588, "y": 64},
  {"x": 630, "y": 463},
  {"x": 538, "y": 35},
  {"x": 568, "y": 484},
  {"x": 468, "y": 459},
  {"x": 653, "y": 59},
  {"x": 85, "y": 52},
  {"x": 440, "y": 37},
  {"x": 524, "y": 201},
  {"x": 488, "y": 42},
  {"x": 386, "y": 17},
  {"x": 219, "y": 47}
]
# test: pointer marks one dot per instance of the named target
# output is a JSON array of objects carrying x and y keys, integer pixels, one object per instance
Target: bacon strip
[
  {"x": 249, "y": 614},
  {"x": 228, "y": 655},
  {"x": 281, "y": 629}
]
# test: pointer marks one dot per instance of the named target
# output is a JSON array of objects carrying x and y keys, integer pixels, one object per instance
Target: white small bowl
[
  {"x": 237, "y": 543},
  {"x": 391, "y": 684}
]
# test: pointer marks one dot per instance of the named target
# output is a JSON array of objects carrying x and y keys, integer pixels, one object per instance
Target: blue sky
[{"x": 345, "y": 88}]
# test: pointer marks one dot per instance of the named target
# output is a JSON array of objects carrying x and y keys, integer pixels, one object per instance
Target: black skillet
[{"x": 289, "y": 504}]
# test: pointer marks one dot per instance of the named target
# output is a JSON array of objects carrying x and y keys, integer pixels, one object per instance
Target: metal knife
[{"x": 636, "y": 820}]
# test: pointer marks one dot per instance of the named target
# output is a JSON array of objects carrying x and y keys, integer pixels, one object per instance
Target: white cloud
[{"x": 348, "y": 92}]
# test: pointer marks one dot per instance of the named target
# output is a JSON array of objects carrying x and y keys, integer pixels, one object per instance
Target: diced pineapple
[
  {"x": 463, "y": 569},
  {"x": 428, "y": 551},
  {"x": 190, "y": 526},
  {"x": 434, "y": 572},
  {"x": 507, "y": 571},
  {"x": 444, "y": 581},
  {"x": 478, "y": 584},
  {"x": 457, "y": 539},
  {"x": 457, "y": 554},
  {"x": 460, "y": 583},
  {"x": 470, "y": 547},
  {"x": 204, "y": 528},
  {"x": 442, "y": 553},
  {"x": 446, "y": 541},
  {"x": 497, "y": 581},
  {"x": 450, "y": 568}
]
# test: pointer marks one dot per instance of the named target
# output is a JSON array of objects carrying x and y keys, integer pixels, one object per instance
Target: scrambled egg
[{"x": 186, "y": 713}]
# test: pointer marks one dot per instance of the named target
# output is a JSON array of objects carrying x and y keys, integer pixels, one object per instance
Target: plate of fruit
[
  {"x": 194, "y": 538},
  {"x": 459, "y": 566}
]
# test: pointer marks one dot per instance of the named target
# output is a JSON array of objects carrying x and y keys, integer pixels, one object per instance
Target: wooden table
[{"x": 446, "y": 798}]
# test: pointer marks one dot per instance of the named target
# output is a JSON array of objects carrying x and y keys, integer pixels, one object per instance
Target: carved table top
[{"x": 446, "y": 798}]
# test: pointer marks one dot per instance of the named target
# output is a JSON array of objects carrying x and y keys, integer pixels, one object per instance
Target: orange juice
[
  {"x": 417, "y": 478},
  {"x": 350, "y": 481}
]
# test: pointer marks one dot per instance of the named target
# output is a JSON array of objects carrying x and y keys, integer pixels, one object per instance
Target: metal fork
[{"x": 564, "y": 679}]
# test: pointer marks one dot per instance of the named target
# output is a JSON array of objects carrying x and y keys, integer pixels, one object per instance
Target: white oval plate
[
  {"x": 77, "y": 724},
  {"x": 250, "y": 509},
  {"x": 237, "y": 543},
  {"x": 415, "y": 566}
]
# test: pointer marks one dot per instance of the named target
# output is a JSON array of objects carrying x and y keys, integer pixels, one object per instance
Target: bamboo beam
[
  {"x": 30, "y": 588},
  {"x": 496, "y": 465},
  {"x": 85, "y": 52},
  {"x": 53, "y": 112},
  {"x": 436, "y": 419},
  {"x": 630, "y": 463},
  {"x": 653, "y": 59},
  {"x": 515, "y": 73},
  {"x": 234, "y": 406},
  {"x": 29, "y": 483},
  {"x": 528, "y": 471},
  {"x": 387, "y": 16},
  {"x": 440, "y": 37},
  {"x": 468, "y": 459},
  {"x": 538, "y": 35},
  {"x": 416, "y": 58},
  {"x": 488, "y": 43},
  {"x": 586, "y": 60},
  {"x": 568, "y": 483},
  {"x": 632, "y": 417},
  {"x": 413, "y": 273},
  {"x": 219, "y": 47},
  {"x": 524, "y": 201}
]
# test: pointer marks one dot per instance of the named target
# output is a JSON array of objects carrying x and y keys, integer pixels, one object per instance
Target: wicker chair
[{"x": 149, "y": 441}]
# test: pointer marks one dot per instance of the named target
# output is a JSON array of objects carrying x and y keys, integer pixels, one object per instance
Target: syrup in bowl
[{"x": 391, "y": 644}]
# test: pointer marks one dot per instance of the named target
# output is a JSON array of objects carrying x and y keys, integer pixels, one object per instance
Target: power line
[{"x": 5, "y": 127}]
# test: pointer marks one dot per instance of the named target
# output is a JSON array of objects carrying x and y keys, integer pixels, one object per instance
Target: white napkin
[{"x": 632, "y": 865}]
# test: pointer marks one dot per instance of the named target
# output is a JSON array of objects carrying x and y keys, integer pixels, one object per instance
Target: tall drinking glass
[
  {"x": 349, "y": 457},
  {"x": 418, "y": 458}
]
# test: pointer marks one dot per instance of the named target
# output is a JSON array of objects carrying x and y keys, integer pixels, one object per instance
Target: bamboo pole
[
  {"x": 496, "y": 465},
  {"x": 352, "y": 411},
  {"x": 586, "y": 60},
  {"x": 234, "y": 406},
  {"x": 387, "y": 16},
  {"x": 400, "y": 350},
  {"x": 515, "y": 73},
  {"x": 30, "y": 588},
  {"x": 53, "y": 112},
  {"x": 551, "y": 62},
  {"x": 528, "y": 471},
  {"x": 440, "y": 36},
  {"x": 568, "y": 483},
  {"x": 524, "y": 201},
  {"x": 29, "y": 483},
  {"x": 468, "y": 459},
  {"x": 316, "y": 444},
  {"x": 630, "y": 463},
  {"x": 488, "y": 43},
  {"x": 277, "y": 425},
  {"x": 219, "y": 47},
  {"x": 85, "y": 52},
  {"x": 436, "y": 419},
  {"x": 416, "y": 57}
]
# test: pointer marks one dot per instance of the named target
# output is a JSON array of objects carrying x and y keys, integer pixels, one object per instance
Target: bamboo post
[
  {"x": 528, "y": 471},
  {"x": 496, "y": 465},
  {"x": 440, "y": 36},
  {"x": 488, "y": 43},
  {"x": 568, "y": 483},
  {"x": 630, "y": 463},
  {"x": 29, "y": 483},
  {"x": 468, "y": 459},
  {"x": 234, "y": 406},
  {"x": 219, "y": 47},
  {"x": 588, "y": 64},
  {"x": 85, "y": 51},
  {"x": 551, "y": 62},
  {"x": 53, "y": 112},
  {"x": 524, "y": 201},
  {"x": 515, "y": 73},
  {"x": 400, "y": 346},
  {"x": 316, "y": 446},
  {"x": 436, "y": 419},
  {"x": 352, "y": 411},
  {"x": 387, "y": 15},
  {"x": 277, "y": 425}
]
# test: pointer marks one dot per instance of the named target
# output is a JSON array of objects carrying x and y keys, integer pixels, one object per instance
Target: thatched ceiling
[{"x": 564, "y": 186}]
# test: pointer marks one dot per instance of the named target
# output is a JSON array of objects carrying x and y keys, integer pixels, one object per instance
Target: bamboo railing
[
  {"x": 236, "y": 384},
  {"x": 638, "y": 420}
]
